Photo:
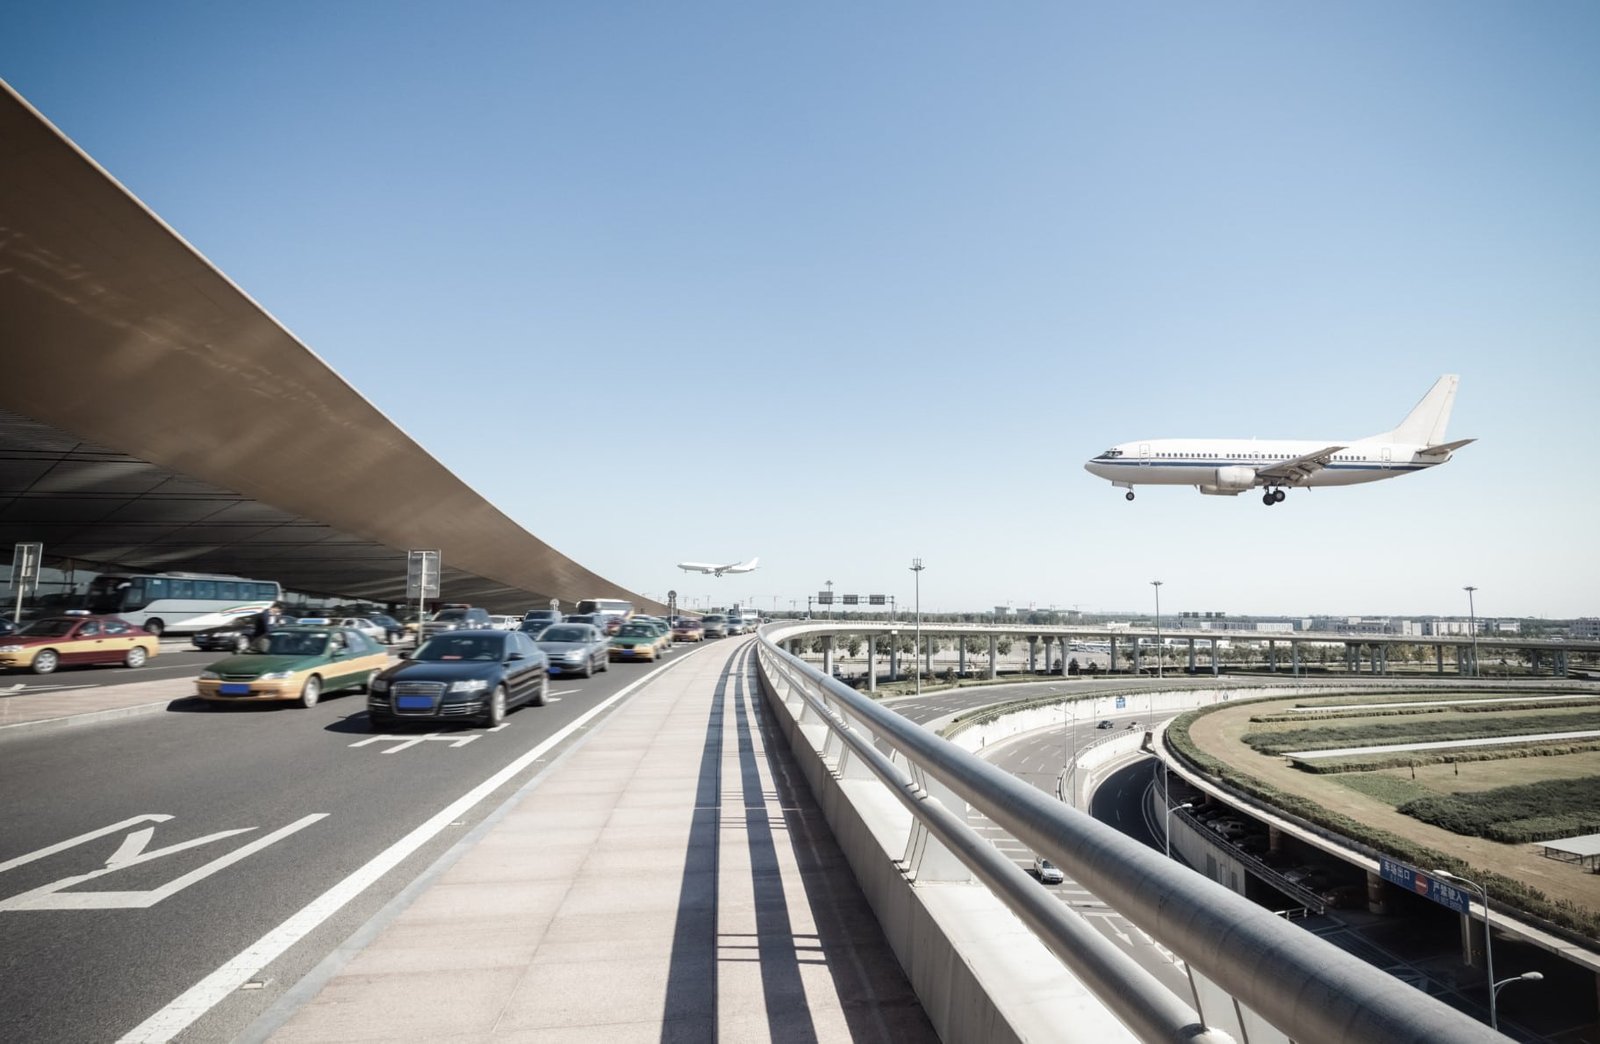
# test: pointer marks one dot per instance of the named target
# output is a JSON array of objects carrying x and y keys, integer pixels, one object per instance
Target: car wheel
[
  {"x": 241, "y": 644},
  {"x": 46, "y": 661},
  {"x": 311, "y": 693},
  {"x": 136, "y": 656},
  {"x": 588, "y": 670},
  {"x": 155, "y": 626},
  {"x": 496, "y": 714},
  {"x": 605, "y": 663},
  {"x": 540, "y": 693}
]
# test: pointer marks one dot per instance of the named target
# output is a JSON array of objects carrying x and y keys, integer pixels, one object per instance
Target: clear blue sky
[{"x": 844, "y": 284}]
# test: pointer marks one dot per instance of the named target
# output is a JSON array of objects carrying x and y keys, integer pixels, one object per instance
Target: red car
[{"x": 58, "y": 641}]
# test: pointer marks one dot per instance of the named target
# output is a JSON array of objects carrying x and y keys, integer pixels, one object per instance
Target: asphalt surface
[
  {"x": 315, "y": 792},
  {"x": 173, "y": 661}
]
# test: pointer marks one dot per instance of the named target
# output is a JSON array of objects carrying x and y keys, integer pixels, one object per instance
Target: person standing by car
[{"x": 265, "y": 621}]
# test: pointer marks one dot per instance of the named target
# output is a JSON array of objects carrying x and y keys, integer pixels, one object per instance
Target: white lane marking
[
  {"x": 565, "y": 692},
  {"x": 500, "y": 726},
  {"x": 149, "y": 817},
  {"x": 132, "y": 853},
  {"x": 407, "y": 742},
  {"x": 222, "y": 983}
]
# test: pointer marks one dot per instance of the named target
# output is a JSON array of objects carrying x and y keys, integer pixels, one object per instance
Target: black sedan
[
  {"x": 473, "y": 675},
  {"x": 228, "y": 639},
  {"x": 575, "y": 649}
]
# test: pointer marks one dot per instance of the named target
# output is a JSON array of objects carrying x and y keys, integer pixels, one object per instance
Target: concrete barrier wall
[{"x": 981, "y": 975}]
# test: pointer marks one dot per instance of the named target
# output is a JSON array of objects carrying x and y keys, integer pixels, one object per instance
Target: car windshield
[
  {"x": 460, "y": 647},
  {"x": 565, "y": 634},
  {"x": 636, "y": 631},
  {"x": 452, "y": 614},
  {"x": 715, "y": 619},
  {"x": 297, "y": 643},
  {"x": 54, "y": 628}
]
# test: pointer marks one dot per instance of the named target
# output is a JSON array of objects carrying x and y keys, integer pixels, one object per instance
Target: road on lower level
[{"x": 137, "y": 856}]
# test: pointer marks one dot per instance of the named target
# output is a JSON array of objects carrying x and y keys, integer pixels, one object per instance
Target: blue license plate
[
  {"x": 227, "y": 689},
  {"x": 413, "y": 702}
]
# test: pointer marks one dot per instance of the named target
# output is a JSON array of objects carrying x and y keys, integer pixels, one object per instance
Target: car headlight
[
  {"x": 210, "y": 676},
  {"x": 275, "y": 675},
  {"x": 576, "y": 654},
  {"x": 378, "y": 685},
  {"x": 12, "y": 648},
  {"x": 474, "y": 685}
]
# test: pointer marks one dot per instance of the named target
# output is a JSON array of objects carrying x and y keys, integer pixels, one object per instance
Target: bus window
[
  {"x": 182, "y": 589},
  {"x": 206, "y": 589},
  {"x": 227, "y": 590}
]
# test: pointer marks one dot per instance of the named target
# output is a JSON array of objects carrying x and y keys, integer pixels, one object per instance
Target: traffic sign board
[{"x": 1423, "y": 883}]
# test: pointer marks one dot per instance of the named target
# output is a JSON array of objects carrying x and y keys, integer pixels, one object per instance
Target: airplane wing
[{"x": 1299, "y": 468}]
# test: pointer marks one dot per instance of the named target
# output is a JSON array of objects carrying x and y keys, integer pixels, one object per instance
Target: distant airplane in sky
[
  {"x": 1228, "y": 467},
  {"x": 718, "y": 570}
]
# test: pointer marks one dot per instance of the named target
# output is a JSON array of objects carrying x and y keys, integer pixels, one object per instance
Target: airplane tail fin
[
  {"x": 752, "y": 563},
  {"x": 1425, "y": 424}
]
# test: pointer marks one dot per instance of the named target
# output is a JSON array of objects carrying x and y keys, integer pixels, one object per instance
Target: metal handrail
[{"x": 1301, "y": 984}]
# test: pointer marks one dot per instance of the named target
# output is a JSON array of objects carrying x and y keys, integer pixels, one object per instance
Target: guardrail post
[
  {"x": 926, "y": 859},
  {"x": 849, "y": 766}
]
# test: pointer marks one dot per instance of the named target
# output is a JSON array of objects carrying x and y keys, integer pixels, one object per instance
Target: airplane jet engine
[{"x": 1235, "y": 477}]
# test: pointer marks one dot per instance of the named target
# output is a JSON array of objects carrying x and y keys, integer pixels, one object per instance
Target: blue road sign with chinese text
[{"x": 1424, "y": 884}]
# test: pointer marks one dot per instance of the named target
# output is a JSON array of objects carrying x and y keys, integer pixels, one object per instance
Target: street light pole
[
  {"x": 1488, "y": 938},
  {"x": 1530, "y": 976},
  {"x": 916, "y": 569},
  {"x": 1472, "y": 626},
  {"x": 1157, "y": 585}
]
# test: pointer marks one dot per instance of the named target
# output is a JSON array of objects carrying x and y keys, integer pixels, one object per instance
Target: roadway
[
  {"x": 173, "y": 661},
  {"x": 315, "y": 799}
]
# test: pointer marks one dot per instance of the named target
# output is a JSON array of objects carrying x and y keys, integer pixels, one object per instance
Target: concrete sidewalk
[
  {"x": 89, "y": 703},
  {"x": 669, "y": 879}
]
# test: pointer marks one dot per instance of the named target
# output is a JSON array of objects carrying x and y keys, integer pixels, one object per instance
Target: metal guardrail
[{"x": 1302, "y": 985}]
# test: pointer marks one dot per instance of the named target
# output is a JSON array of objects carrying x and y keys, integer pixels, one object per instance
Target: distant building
[
  {"x": 1586, "y": 628},
  {"x": 1275, "y": 626},
  {"x": 1451, "y": 628}
]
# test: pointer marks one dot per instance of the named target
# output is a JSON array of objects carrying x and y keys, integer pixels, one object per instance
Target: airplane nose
[{"x": 1093, "y": 469}]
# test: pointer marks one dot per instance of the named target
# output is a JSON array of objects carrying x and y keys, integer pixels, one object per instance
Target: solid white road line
[{"x": 211, "y": 990}]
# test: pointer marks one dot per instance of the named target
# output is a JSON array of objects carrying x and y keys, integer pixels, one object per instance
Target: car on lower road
[
  {"x": 475, "y": 676},
  {"x": 574, "y": 649},
  {"x": 68, "y": 641},
  {"x": 714, "y": 625},
  {"x": 1046, "y": 871},
  {"x": 1106, "y": 723},
  {"x": 299, "y": 663}
]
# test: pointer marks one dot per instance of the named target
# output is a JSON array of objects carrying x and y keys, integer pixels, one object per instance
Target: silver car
[{"x": 574, "y": 648}]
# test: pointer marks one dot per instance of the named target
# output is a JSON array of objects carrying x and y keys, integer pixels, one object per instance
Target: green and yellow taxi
[
  {"x": 295, "y": 663},
  {"x": 635, "y": 641}
]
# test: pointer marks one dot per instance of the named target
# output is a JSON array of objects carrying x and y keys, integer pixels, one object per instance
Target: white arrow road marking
[
  {"x": 149, "y": 817},
  {"x": 222, "y": 983},
  {"x": 407, "y": 742},
  {"x": 131, "y": 853}
]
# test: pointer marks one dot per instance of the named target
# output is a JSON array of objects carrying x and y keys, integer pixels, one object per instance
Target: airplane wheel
[
  {"x": 1128, "y": 495},
  {"x": 1268, "y": 499},
  {"x": 1279, "y": 496}
]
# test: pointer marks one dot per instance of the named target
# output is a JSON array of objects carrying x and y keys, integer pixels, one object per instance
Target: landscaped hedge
[
  {"x": 1518, "y": 814},
  {"x": 1561, "y": 914},
  {"x": 1458, "y": 708},
  {"x": 1413, "y": 758},
  {"x": 1387, "y": 732}
]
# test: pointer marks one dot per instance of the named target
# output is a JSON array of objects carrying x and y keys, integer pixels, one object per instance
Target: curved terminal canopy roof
[{"x": 153, "y": 416}]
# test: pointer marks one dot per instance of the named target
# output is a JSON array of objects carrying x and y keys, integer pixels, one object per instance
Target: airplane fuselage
[{"x": 1201, "y": 463}]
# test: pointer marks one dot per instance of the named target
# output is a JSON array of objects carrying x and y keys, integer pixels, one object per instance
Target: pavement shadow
[{"x": 875, "y": 997}]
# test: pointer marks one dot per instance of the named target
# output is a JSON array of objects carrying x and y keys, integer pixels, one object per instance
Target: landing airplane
[
  {"x": 718, "y": 570},
  {"x": 1228, "y": 467}
]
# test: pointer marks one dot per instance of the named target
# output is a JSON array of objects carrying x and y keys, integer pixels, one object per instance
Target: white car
[
  {"x": 370, "y": 628},
  {"x": 505, "y": 623},
  {"x": 1048, "y": 872}
]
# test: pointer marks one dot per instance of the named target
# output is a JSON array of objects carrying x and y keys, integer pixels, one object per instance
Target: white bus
[{"x": 181, "y": 603}]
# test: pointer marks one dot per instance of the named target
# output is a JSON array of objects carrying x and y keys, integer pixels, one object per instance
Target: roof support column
[
  {"x": 827, "y": 655},
  {"x": 1438, "y": 658},
  {"x": 1216, "y": 667},
  {"x": 1294, "y": 655},
  {"x": 1272, "y": 656},
  {"x": 994, "y": 652},
  {"x": 872, "y": 663},
  {"x": 961, "y": 655},
  {"x": 1191, "y": 655}
]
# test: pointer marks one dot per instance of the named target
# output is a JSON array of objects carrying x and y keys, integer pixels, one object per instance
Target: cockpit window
[{"x": 1112, "y": 452}]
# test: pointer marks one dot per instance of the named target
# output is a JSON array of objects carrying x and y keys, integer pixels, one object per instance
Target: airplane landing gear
[
  {"x": 1273, "y": 496},
  {"x": 1128, "y": 495}
]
